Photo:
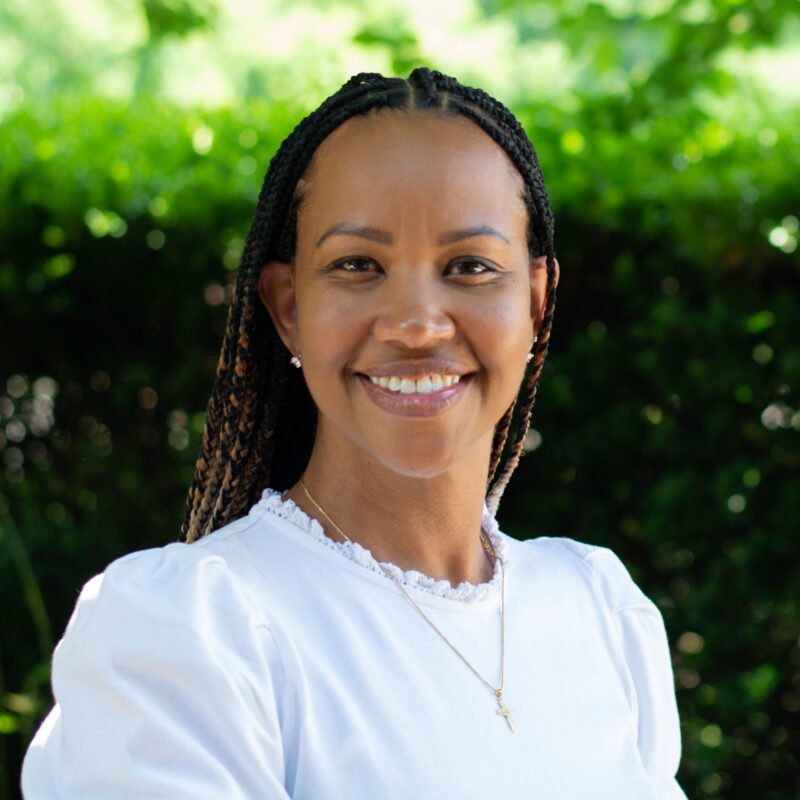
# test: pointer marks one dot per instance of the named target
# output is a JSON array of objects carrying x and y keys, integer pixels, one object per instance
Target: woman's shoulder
[
  {"x": 572, "y": 560},
  {"x": 164, "y": 648},
  {"x": 198, "y": 586}
]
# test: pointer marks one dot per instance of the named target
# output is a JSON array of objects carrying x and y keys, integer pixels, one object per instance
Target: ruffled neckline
[{"x": 273, "y": 503}]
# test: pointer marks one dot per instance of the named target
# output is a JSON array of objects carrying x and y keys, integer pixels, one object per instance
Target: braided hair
[{"x": 261, "y": 419}]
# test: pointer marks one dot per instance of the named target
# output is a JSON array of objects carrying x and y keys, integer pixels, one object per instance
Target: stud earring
[
  {"x": 295, "y": 361},
  {"x": 530, "y": 355}
]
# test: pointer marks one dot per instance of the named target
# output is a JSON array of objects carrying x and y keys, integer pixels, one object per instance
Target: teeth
[{"x": 425, "y": 385}]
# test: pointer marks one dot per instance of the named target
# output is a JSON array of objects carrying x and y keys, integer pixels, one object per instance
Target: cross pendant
[{"x": 504, "y": 711}]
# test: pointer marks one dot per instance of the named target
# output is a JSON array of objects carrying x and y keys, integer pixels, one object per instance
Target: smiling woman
[
  {"x": 412, "y": 262},
  {"x": 344, "y": 617}
]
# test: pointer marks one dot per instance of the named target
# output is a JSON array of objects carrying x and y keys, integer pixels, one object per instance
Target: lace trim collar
[{"x": 287, "y": 509}]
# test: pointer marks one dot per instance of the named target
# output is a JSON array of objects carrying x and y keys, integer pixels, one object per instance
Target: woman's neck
[{"x": 431, "y": 525}]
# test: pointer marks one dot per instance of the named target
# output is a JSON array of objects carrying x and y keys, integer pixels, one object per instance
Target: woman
[{"x": 344, "y": 618}]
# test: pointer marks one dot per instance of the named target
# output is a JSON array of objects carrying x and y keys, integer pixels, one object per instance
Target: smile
[
  {"x": 425, "y": 385},
  {"x": 409, "y": 397}
]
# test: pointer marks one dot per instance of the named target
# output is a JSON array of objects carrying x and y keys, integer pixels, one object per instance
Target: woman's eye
[
  {"x": 471, "y": 267},
  {"x": 353, "y": 265}
]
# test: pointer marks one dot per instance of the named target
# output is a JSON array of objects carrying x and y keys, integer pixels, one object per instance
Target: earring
[
  {"x": 295, "y": 361},
  {"x": 530, "y": 355}
]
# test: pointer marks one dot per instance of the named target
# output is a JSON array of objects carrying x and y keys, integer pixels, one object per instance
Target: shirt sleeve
[
  {"x": 164, "y": 683},
  {"x": 646, "y": 652}
]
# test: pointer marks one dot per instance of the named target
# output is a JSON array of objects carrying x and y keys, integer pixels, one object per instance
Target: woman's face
[{"x": 411, "y": 265}]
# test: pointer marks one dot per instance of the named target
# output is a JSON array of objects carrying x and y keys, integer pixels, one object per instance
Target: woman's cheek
[
  {"x": 505, "y": 331},
  {"x": 326, "y": 318}
]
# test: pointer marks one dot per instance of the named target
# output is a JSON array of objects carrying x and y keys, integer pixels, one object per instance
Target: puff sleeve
[
  {"x": 164, "y": 683},
  {"x": 645, "y": 650}
]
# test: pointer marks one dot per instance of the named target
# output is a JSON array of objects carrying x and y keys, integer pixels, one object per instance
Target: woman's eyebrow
[
  {"x": 468, "y": 233},
  {"x": 354, "y": 229},
  {"x": 384, "y": 237}
]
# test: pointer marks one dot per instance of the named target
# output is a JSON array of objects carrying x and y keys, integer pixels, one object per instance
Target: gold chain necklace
[{"x": 502, "y": 709}]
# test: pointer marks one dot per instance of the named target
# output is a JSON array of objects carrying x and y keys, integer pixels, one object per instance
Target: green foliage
[
  {"x": 668, "y": 419},
  {"x": 176, "y": 17}
]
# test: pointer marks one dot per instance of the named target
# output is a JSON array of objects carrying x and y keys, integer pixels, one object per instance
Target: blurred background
[{"x": 134, "y": 136}]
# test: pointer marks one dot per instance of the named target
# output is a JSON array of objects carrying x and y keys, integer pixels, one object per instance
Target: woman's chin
[
  {"x": 417, "y": 470},
  {"x": 422, "y": 450},
  {"x": 426, "y": 458}
]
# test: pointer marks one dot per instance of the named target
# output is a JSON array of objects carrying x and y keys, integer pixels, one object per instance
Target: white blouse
[{"x": 268, "y": 661}]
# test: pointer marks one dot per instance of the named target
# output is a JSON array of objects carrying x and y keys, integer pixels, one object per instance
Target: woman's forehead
[
  {"x": 390, "y": 161},
  {"x": 395, "y": 141}
]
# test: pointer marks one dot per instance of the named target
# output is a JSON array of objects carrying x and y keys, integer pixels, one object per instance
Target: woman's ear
[
  {"x": 538, "y": 276},
  {"x": 276, "y": 290}
]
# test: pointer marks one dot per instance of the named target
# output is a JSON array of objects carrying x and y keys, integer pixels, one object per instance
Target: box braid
[{"x": 261, "y": 419}]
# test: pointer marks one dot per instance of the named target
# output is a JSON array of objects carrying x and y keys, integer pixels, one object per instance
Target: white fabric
[
  {"x": 273, "y": 502},
  {"x": 263, "y": 662}
]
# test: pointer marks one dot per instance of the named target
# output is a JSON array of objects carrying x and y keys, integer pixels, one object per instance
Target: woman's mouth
[
  {"x": 423, "y": 396},
  {"x": 424, "y": 385}
]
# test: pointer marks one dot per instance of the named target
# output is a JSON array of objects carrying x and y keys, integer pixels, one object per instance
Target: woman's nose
[{"x": 413, "y": 317}]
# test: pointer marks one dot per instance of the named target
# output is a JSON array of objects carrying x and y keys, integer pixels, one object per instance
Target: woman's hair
[{"x": 261, "y": 419}]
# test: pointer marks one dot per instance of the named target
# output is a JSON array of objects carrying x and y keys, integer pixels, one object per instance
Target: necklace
[{"x": 502, "y": 709}]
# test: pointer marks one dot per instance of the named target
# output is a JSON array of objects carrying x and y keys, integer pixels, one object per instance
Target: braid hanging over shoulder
[{"x": 261, "y": 419}]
